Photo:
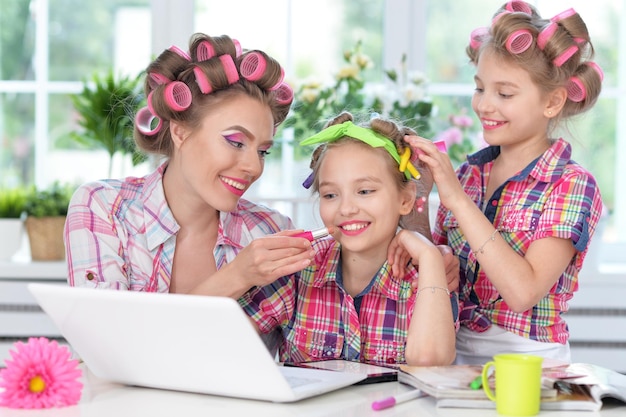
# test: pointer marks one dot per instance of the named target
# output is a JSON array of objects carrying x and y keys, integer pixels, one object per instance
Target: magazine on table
[{"x": 566, "y": 387}]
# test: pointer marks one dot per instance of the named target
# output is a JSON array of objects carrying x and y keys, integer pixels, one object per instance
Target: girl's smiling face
[
  {"x": 221, "y": 159},
  {"x": 360, "y": 197},
  {"x": 510, "y": 106}
]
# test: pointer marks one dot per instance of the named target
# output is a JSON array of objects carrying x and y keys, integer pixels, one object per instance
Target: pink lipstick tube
[{"x": 311, "y": 235}]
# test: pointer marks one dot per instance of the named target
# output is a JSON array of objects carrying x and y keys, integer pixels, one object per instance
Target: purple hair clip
[{"x": 308, "y": 181}]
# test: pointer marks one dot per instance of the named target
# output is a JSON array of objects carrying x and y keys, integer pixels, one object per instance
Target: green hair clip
[{"x": 375, "y": 140}]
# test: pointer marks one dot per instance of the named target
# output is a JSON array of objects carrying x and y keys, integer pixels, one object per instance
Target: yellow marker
[{"x": 404, "y": 159}]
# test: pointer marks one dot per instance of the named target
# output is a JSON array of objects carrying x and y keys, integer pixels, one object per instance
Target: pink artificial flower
[{"x": 40, "y": 374}]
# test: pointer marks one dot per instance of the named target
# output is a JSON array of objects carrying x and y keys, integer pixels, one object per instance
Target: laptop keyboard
[{"x": 295, "y": 381}]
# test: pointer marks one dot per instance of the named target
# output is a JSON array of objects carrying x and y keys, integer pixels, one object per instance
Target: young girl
[
  {"x": 520, "y": 214},
  {"x": 348, "y": 304}
]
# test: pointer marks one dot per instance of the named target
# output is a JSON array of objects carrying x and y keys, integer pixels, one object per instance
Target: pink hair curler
[
  {"x": 567, "y": 54},
  {"x": 155, "y": 79},
  {"x": 476, "y": 37},
  {"x": 546, "y": 33},
  {"x": 149, "y": 102},
  {"x": 563, "y": 15},
  {"x": 576, "y": 90},
  {"x": 252, "y": 66},
  {"x": 177, "y": 96},
  {"x": 180, "y": 52},
  {"x": 597, "y": 68},
  {"x": 229, "y": 68},
  {"x": 205, "y": 51},
  {"x": 518, "y": 6},
  {"x": 498, "y": 16},
  {"x": 284, "y": 94},
  {"x": 202, "y": 80},
  {"x": 144, "y": 120},
  {"x": 280, "y": 80},
  {"x": 519, "y": 41},
  {"x": 238, "y": 49}
]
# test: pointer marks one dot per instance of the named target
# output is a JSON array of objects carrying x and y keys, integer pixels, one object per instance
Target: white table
[{"x": 103, "y": 399}]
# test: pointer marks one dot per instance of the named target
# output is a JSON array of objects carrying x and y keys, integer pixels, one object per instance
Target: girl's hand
[
  {"x": 443, "y": 172},
  {"x": 399, "y": 257}
]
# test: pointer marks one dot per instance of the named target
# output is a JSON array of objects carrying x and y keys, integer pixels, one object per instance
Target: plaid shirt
[
  {"x": 552, "y": 196},
  {"x": 121, "y": 234},
  {"x": 319, "y": 319}
]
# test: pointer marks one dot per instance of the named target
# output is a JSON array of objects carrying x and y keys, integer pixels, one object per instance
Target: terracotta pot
[{"x": 45, "y": 235}]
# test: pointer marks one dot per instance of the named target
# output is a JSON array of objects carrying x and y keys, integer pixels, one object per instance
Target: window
[{"x": 49, "y": 47}]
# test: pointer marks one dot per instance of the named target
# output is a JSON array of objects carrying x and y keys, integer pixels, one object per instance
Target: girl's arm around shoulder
[{"x": 432, "y": 330}]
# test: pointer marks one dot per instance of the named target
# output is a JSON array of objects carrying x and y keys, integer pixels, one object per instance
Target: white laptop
[{"x": 177, "y": 342}]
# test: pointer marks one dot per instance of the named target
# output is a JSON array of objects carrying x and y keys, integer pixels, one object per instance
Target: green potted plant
[
  {"x": 46, "y": 210},
  {"x": 12, "y": 203},
  {"x": 107, "y": 106}
]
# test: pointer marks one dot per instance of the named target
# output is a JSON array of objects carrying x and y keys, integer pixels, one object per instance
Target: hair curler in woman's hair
[
  {"x": 253, "y": 66},
  {"x": 476, "y": 37},
  {"x": 519, "y": 41},
  {"x": 565, "y": 55},
  {"x": 518, "y": 6},
  {"x": 229, "y": 68},
  {"x": 205, "y": 51},
  {"x": 144, "y": 120},
  {"x": 155, "y": 79},
  {"x": 284, "y": 94},
  {"x": 202, "y": 80},
  {"x": 177, "y": 96},
  {"x": 180, "y": 52}
]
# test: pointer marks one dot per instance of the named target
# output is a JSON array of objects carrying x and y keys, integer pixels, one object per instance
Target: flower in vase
[{"x": 40, "y": 374}]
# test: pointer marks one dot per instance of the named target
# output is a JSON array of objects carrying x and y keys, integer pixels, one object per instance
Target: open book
[{"x": 570, "y": 387}]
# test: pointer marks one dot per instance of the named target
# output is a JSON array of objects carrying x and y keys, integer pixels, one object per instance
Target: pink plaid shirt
[
  {"x": 552, "y": 196},
  {"x": 121, "y": 234},
  {"x": 319, "y": 319}
]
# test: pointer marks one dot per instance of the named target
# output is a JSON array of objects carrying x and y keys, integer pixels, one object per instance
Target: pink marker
[{"x": 311, "y": 235}]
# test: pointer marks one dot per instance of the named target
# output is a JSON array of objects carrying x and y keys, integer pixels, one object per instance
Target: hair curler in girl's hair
[
  {"x": 576, "y": 90},
  {"x": 565, "y": 55},
  {"x": 597, "y": 68},
  {"x": 238, "y": 48},
  {"x": 546, "y": 33},
  {"x": 563, "y": 15},
  {"x": 144, "y": 120},
  {"x": 476, "y": 37},
  {"x": 180, "y": 52},
  {"x": 177, "y": 96},
  {"x": 519, "y": 41},
  {"x": 229, "y": 68},
  {"x": 205, "y": 51},
  {"x": 518, "y": 6},
  {"x": 280, "y": 80},
  {"x": 284, "y": 94},
  {"x": 253, "y": 66}
]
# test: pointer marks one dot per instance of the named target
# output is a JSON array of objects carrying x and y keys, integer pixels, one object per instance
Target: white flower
[
  {"x": 361, "y": 60},
  {"x": 411, "y": 93},
  {"x": 417, "y": 78}
]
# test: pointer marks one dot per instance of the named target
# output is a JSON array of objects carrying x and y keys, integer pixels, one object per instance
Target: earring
[{"x": 549, "y": 112}]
